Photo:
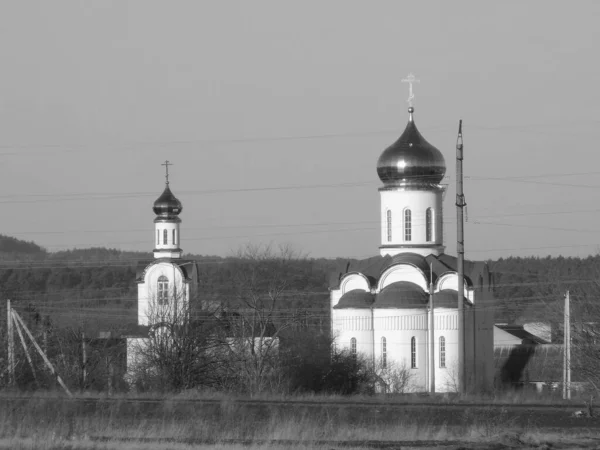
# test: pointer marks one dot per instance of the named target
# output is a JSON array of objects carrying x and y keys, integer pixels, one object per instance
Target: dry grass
[{"x": 49, "y": 423}]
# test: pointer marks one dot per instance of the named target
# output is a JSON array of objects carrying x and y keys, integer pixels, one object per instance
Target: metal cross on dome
[
  {"x": 410, "y": 79},
  {"x": 167, "y": 164}
]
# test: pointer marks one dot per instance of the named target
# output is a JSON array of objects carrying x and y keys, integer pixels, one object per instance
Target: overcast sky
[{"x": 274, "y": 114}]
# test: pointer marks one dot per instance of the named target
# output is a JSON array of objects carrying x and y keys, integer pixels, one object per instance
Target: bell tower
[
  {"x": 166, "y": 224},
  {"x": 411, "y": 170}
]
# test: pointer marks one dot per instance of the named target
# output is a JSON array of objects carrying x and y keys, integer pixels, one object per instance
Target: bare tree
[
  {"x": 394, "y": 377},
  {"x": 183, "y": 347},
  {"x": 263, "y": 280}
]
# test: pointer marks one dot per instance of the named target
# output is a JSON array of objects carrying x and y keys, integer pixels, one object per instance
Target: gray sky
[{"x": 95, "y": 95}]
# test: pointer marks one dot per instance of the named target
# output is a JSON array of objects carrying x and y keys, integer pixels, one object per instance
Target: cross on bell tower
[{"x": 167, "y": 164}]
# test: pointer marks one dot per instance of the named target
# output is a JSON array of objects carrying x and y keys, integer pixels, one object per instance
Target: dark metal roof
[
  {"x": 448, "y": 298},
  {"x": 373, "y": 267},
  {"x": 355, "y": 299},
  {"x": 167, "y": 205},
  {"x": 187, "y": 266},
  {"x": 402, "y": 294},
  {"x": 411, "y": 160}
]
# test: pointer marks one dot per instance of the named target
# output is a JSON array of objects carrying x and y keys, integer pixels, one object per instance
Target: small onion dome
[
  {"x": 167, "y": 204},
  {"x": 355, "y": 298},
  {"x": 402, "y": 294},
  {"x": 411, "y": 160},
  {"x": 447, "y": 298}
]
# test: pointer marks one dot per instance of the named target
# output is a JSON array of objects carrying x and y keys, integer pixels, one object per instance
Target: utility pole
[
  {"x": 83, "y": 361},
  {"x": 567, "y": 349},
  {"x": 431, "y": 333},
  {"x": 460, "y": 250},
  {"x": 11, "y": 344}
]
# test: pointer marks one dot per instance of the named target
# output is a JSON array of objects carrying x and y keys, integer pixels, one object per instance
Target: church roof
[
  {"x": 447, "y": 298},
  {"x": 187, "y": 266},
  {"x": 355, "y": 299},
  {"x": 402, "y": 294},
  {"x": 411, "y": 160},
  {"x": 167, "y": 205},
  {"x": 373, "y": 267}
]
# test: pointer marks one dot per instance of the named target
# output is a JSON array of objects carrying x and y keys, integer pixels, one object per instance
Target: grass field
[{"x": 53, "y": 422}]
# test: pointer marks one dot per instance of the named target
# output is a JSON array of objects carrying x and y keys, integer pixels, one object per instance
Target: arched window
[
  {"x": 429, "y": 225},
  {"x": 383, "y": 353},
  {"x": 413, "y": 353},
  {"x": 407, "y": 225},
  {"x": 174, "y": 237},
  {"x": 353, "y": 347},
  {"x": 442, "y": 352},
  {"x": 163, "y": 290},
  {"x": 389, "y": 225},
  {"x": 165, "y": 236}
]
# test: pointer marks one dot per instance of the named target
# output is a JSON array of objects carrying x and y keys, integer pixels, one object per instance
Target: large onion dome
[
  {"x": 411, "y": 160},
  {"x": 167, "y": 204}
]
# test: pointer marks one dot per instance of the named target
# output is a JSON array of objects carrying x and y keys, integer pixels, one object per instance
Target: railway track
[
  {"x": 284, "y": 442},
  {"x": 292, "y": 402}
]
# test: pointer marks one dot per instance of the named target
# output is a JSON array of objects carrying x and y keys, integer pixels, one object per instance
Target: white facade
[{"x": 164, "y": 293}]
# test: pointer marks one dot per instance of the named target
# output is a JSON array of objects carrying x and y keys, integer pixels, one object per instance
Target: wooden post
[
  {"x": 16, "y": 325},
  {"x": 109, "y": 376},
  {"x": 42, "y": 354},
  {"x": 83, "y": 361},
  {"x": 567, "y": 350},
  {"x": 11, "y": 344}
]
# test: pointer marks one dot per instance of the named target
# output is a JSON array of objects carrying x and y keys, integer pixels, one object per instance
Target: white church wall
[
  {"x": 353, "y": 323},
  {"x": 178, "y": 292},
  {"x": 398, "y": 327},
  {"x": 402, "y": 272},
  {"x": 446, "y": 326}
]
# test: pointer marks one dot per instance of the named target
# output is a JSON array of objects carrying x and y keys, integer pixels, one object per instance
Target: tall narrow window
[
  {"x": 165, "y": 236},
  {"x": 429, "y": 225},
  {"x": 353, "y": 347},
  {"x": 383, "y": 353},
  {"x": 413, "y": 353},
  {"x": 407, "y": 225},
  {"x": 174, "y": 240},
  {"x": 442, "y": 352},
  {"x": 157, "y": 237},
  {"x": 389, "y": 225},
  {"x": 163, "y": 290}
]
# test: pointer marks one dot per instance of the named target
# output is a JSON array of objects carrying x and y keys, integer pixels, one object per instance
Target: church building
[
  {"x": 381, "y": 306},
  {"x": 167, "y": 285}
]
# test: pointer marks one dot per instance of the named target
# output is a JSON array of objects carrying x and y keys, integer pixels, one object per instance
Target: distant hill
[
  {"x": 9, "y": 244},
  {"x": 524, "y": 288}
]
